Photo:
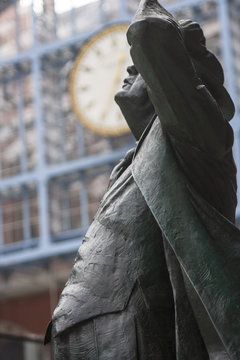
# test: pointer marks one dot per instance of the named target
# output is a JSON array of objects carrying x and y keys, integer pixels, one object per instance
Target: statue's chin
[{"x": 122, "y": 96}]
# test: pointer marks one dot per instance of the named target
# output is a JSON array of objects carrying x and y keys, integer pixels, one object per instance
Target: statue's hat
[{"x": 207, "y": 66}]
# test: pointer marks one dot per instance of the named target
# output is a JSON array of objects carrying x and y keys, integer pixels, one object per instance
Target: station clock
[{"x": 97, "y": 75}]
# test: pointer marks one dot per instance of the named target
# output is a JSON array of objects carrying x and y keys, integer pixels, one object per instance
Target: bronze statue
[{"x": 157, "y": 276}]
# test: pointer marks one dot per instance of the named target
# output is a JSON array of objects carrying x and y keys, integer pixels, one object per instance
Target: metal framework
[{"x": 34, "y": 184}]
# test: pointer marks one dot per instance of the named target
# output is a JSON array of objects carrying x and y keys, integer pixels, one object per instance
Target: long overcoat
[{"x": 184, "y": 169}]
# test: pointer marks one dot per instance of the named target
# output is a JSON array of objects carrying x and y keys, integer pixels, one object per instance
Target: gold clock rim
[{"x": 81, "y": 117}]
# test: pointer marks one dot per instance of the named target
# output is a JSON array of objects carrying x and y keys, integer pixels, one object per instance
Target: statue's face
[
  {"x": 133, "y": 86},
  {"x": 134, "y": 102},
  {"x": 130, "y": 80}
]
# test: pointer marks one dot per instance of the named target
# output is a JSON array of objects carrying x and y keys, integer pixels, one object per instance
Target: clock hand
[{"x": 117, "y": 77}]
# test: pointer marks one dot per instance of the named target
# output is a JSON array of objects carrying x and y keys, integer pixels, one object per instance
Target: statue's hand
[
  {"x": 121, "y": 167},
  {"x": 151, "y": 8}
]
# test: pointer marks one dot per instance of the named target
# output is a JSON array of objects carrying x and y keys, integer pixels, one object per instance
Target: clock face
[{"x": 97, "y": 75}]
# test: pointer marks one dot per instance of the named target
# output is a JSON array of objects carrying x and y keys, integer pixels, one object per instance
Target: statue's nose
[{"x": 132, "y": 70}]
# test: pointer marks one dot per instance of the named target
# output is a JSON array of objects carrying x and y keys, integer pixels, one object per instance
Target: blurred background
[{"x": 55, "y": 159}]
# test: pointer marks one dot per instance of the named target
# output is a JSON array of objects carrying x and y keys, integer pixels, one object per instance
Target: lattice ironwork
[{"x": 53, "y": 171}]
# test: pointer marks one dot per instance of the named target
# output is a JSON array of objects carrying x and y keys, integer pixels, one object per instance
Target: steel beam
[
  {"x": 31, "y": 255},
  {"x": 63, "y": 169},
  {"x": 67, "y": 242}
]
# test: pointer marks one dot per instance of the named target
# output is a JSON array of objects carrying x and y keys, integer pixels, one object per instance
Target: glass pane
[
  {"x": 46, "y": 21},
  {"x": 199, "y": 13},
  {"x": 21, "y": 348},
  {"x": 8, "y": 32},
  {"x": 9, "y": 139},
  {"x": 24, "y": 24},
  {"x": 110, "y": 10},
  {"x": 132, "y": 6},
  {"x": 97, "y": 182},
  {"x": 62, "y": 130},
  {"x": 30, "y": 136},
  {"x": 65, "y": 207},
  {"x": 235, "y": 29},
  {"x": 125, "y": 140},
  {"x": 19, "y": 214},
  {"x": 34, "y": 220},
  {"x": 95, "y": 144},
  {"x": 17, "y": 137},
  {"x": 61, "y": 19},
  {"x": 82, "y": 16},
  {"x": 12, "y": 220}
]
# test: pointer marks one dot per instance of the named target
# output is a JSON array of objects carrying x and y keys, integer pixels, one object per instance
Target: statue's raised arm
[{"x": 185, "y": 80}]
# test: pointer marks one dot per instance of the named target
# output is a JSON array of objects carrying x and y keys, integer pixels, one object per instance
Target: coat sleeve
[{"x": 185, "y": 107}]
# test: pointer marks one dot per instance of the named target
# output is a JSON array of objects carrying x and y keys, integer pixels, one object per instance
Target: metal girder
[
  {"x": 49, "y": 245},
  {"x": 42, "y": 49},
  {"x": 4, "y": 4},
  {"x": 31, "y": 255},
  {"x": 64, "y": 168},
  {"x": 179, "y": 5}
]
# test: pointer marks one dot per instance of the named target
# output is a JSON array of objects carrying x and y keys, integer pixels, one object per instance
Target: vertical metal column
[
  {"x": 26, "y": 214},
  {"x": 80, "y": 139},
  {"x": 17, "y": 29},
  {"x": 83, "y": 201},
  {"x": 39, "y": 128},
  {"x": 101, "y": 11},
  {"x": 61, "y": 119},
  {"x": 123, "y": 9},
  {"x": 73, "y": 19},
  {"x": 1, "y": 224},
  {"x": 226, "y": 39},
  {"x": 228, "y": 57},
  {"x": 65, "y": 206},
  {"x": 21, "y": 124},
  {"x": 55, "y": 19}
]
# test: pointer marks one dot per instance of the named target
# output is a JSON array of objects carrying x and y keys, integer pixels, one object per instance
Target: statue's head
[
  {"x": 133, "y": 98},
  {"x": 134, "y": 102}
]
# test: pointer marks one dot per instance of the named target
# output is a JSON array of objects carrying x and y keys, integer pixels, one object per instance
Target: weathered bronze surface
[{"x": 157, "y": 276}]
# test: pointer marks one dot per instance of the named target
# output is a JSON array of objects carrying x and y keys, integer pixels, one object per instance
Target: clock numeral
[
  {"x": 86, "y": 68},
  {"x": 89, "y": 105},
  {"x": 103, "y": 115},
  {"x": 98, "y": 52},
  {"x": 114, "y": 42},
  {"x": 84, "y": 88}
]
